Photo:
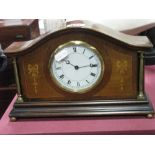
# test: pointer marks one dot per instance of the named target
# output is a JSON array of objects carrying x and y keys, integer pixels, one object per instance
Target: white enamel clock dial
[{"x": 76, "y": 67}]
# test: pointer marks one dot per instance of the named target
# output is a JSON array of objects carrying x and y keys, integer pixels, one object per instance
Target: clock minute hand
[
  {"x": 84, "y": 66},
  {"x": 91, "y": 65}
]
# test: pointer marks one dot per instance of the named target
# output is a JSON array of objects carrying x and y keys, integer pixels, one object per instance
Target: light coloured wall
[
  {"x": 55, "y": 24},
  {"x": 125, "y": 23}
]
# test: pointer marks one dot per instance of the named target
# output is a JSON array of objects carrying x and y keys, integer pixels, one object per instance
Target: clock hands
[
  {"x": 68, "y": 62},
  {"x": 77, "y": 67}
]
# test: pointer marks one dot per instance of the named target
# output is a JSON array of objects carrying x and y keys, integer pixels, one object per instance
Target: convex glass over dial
[{"x": 76, "y": 67}]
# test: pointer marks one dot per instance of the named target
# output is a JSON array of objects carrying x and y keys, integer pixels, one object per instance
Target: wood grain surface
[{"x": 119, "y": 80}]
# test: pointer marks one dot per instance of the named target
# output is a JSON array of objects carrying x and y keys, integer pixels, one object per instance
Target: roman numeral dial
[{"x": 79, "y": 70}]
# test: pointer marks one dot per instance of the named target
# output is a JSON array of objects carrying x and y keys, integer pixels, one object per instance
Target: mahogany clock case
[{"x": 116, "y": 94}]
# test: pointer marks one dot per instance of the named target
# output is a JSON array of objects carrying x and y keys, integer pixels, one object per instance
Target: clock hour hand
[{"x": 68, "y": 62}]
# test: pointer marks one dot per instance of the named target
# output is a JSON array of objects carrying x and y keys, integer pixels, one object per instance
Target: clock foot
[
  {"x": 150, "y": 115},
  {"x": 13, "y": 119}
]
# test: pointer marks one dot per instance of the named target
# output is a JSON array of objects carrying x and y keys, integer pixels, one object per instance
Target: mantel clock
[{"x": 85, "y": 70}]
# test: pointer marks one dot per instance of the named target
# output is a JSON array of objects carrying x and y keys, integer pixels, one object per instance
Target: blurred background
[{"x": 117, "y": 24}]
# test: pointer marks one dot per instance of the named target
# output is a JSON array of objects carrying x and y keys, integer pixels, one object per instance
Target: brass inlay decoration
[
  {"x": 122, "y": 68},
  {"x": 33, "y": 70}
]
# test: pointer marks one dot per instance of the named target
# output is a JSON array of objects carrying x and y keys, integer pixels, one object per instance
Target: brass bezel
[{"x": 70, "y": 43}]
